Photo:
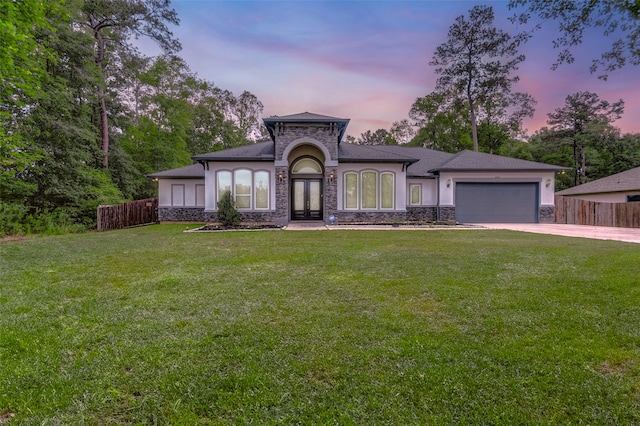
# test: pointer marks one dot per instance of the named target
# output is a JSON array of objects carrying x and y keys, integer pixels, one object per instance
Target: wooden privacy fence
[
  {"x": 581, "y": 212},
  {"x": 135, "y": 213}
]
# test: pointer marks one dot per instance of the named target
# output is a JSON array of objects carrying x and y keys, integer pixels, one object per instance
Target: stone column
[
  {"x": 282, "y": 196},
  {"x": 330, "y": 192}
]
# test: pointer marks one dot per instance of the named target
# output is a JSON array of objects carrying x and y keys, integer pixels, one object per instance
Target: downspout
[{"x": 438, "y": 197}]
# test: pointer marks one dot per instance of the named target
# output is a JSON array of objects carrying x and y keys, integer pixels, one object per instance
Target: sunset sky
[{"x": 367, "y": 60}]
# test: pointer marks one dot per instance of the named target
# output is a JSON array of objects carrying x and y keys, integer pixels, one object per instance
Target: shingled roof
[
  {"x": 479, "y": 161},
  {"x": 623, "y": 181},
  {"x": 352, "y": 153},
  {"x": 306, "y": 118},
  {"x": 420, "y": 162},
  {"x": 261, "y": 151},
  {"x": 193, "y": 171}
]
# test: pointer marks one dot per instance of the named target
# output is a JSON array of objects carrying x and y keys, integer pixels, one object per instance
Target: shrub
[{"x": 227, "y": 213}]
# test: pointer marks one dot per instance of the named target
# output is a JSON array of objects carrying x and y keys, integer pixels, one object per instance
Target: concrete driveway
[{"x": 630, "y": 235}]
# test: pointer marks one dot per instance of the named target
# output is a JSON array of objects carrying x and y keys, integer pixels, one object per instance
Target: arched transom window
[{"x": 306, "y": 166}]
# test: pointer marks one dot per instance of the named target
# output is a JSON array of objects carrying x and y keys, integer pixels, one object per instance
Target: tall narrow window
[
  {"x": 351, "y": 190},
  {"x": 415, "y": 194},
  {"x": 386, "y": 190},
  {"x": 224, "y": 184},
  {"x": 369, "y": 190},
  {"x": 261, "y": 186},
  {"x": 242, "y": 182}
]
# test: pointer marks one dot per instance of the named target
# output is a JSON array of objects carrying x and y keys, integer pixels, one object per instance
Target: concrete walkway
[{"x": 630, "y": 235}]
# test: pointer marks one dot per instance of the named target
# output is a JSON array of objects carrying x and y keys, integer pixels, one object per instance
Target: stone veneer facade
[{"x": 413, "y": 214}]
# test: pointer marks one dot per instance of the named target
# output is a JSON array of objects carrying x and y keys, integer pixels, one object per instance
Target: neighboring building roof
[
  {"x": 479, "y": 161},
  {"x": 193, "y": 171},
  {"x": 308, "y": 118},
  {"x": 623, "y": 181},
  {"x": 261, "y": 151}
]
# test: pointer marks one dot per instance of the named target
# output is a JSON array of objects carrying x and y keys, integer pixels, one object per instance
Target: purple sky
[{"x": 366, "y": 60}]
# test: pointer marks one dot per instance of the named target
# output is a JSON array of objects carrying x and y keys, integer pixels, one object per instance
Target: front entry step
[{"x": 306, "y": 225}]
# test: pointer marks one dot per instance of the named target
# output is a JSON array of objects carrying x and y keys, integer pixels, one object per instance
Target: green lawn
[{"x": 152, "y": 325}]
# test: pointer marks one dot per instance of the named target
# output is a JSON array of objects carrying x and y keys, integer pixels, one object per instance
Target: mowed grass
[{"x": 152, "y": 325}]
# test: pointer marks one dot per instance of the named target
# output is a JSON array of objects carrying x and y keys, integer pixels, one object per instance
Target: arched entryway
[{"x": 306, "y": 189}]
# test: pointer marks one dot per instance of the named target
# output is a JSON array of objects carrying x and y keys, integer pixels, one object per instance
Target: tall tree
[
  {"x": 112, "y": 24},
  {"x": 67, "y": 176},
  {"x": 583, "y": 115},
  {"x": 618, "y": 20},
  {"x": 402, "y": 132},
  {"x": 477, "y": 63},
  {"x": 379, "y": 137},
  {"x": 22, "y": 64},
  {"x": 441, "y": 122}
]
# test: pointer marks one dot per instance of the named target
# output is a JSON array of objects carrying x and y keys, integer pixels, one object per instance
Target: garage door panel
[{"x": 496, "y": 202}]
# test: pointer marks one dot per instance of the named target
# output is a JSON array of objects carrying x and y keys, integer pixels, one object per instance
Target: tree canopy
[
  {"x": 618, "y": 21},
  {"x": 477, "y": 64}
]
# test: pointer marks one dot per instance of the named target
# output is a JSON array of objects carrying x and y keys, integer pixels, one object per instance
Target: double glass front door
[{"x": 306, "y": 203}]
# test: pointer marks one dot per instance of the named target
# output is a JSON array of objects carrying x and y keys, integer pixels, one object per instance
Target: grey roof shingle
[
  {"x": 261, "y": 151},
  {"x": 309, "y": 118},
  {"x": 479, "y": 161},
  {"x": 352, "y": 153},
  {"x": 304, "y": 117},
  {"x": 624, "y": 181},
  {"x": 193, "y": 171}
]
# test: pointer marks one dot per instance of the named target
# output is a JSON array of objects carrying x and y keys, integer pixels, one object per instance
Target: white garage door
[{"x": 496, "y": 202}]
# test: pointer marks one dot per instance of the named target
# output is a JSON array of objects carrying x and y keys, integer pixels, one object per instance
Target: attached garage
[{"x": 479, "y": 202}]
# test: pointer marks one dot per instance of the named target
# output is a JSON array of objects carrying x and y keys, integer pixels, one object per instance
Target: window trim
[
  {"x": 393, "y": 190},
  {"x": 359, "y": 190},
  {"x": 252, "y": 192},
  {"x": 411, "y": 186}
]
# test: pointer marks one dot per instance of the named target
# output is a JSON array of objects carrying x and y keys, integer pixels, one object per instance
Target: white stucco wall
[
  {"x": 181, "y": 193},
  {"x": 212, "y": 187},
  {"x": 429, "y": 196},
  {"x": 606, "y": 197},
  {"x": 400, "y": 181},
  {"x": 546, "y": 192}
]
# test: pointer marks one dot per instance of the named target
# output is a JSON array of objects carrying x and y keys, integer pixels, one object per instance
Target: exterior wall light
[
  {"x": 331, "y": 178},
  {"x": 449, "y": 183},
  {"x": 281, "y": 177},
  {"x": 548, "y": 183}
]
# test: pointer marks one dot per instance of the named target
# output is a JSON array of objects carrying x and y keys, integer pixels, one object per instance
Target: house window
[
  {"x": 250, "y": 189},
  {"x": 306, "y": 166},
  {"x": 386, "y": 190},
  {"x": 369, "y": 190},
  {"x": 261, "y": 182},
  {"x": 351, "y": 190},
  {"x": 224, "y": 183},
  {"x": 415, "y": 194}
]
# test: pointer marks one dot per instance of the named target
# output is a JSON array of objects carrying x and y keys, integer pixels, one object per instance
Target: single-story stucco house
[
  {"x": 622, "y": 187},
  {"x": 306, "y": 172}
]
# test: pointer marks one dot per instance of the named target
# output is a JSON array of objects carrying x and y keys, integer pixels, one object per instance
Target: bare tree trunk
[
  {"x": 104, "y": 126},
  {"x": 576, "y": 163},
  {"x": 583, "y": 165},
  {"x": 474, "y": 126},
  {"x": 100, "y": 92},
  {"x": 472, "y": 116}
]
